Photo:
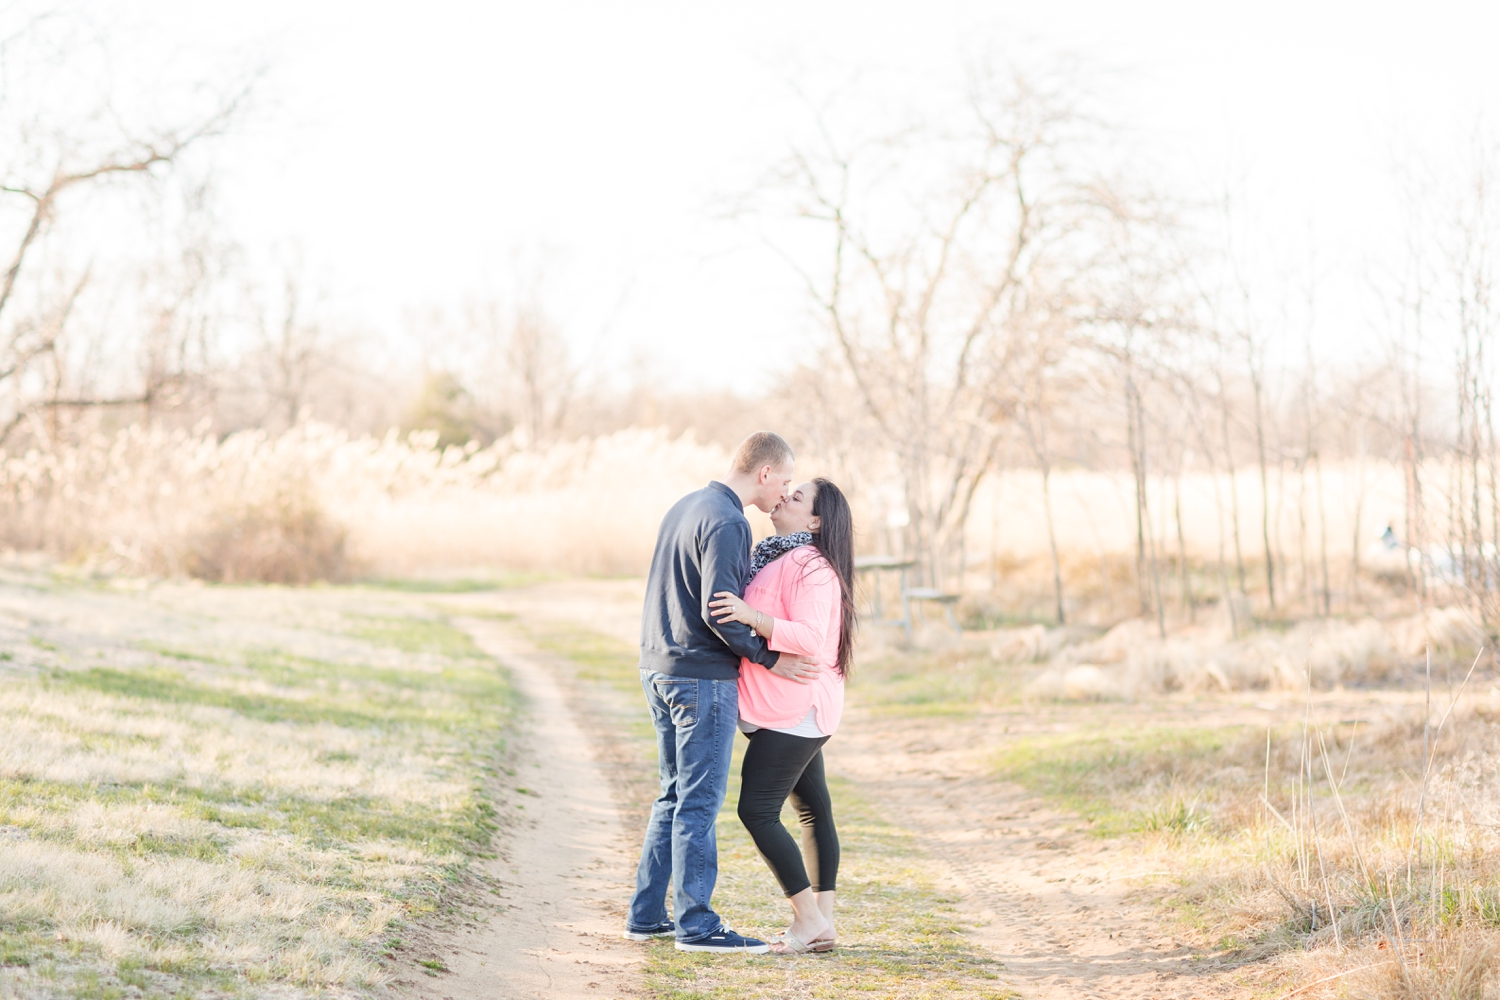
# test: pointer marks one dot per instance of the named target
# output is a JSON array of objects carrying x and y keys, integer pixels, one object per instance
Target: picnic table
[
  {"x": 878, "y": 565},
  {"x": 875, "y": 566}
]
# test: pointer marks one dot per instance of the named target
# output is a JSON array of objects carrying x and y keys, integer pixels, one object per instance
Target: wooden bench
[{"x": 911, "y": 595}]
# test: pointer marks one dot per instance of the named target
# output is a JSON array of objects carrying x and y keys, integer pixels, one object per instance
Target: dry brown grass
[
  {"x": 1131, "y": 660},
  {"x": 1327, "y": 829},
  {"x": 316, "y": 504},
  {"x": 1321, "y": 847}
]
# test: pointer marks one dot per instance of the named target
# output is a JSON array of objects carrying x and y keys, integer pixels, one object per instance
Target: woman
[{"x": 801, "y": 598}]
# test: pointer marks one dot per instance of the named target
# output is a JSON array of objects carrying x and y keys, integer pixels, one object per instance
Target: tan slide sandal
[{"x": 787, "y": 943}]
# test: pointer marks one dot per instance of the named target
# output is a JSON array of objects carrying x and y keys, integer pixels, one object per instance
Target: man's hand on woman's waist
[{"x": 795, "y": 668}]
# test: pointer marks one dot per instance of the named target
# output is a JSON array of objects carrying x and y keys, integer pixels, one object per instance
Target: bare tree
[
  {"x": 1312, "y": 457},
  {"x": 1040, "y": 383},
  {"x": 1404, "y": 348},
  {"x": 543, "y": 372},
  {"x": 1197, "y": 406},
  {"x": 534, "y": 378},
  {"x": 1179, "y": 447},
  {"x": 924, "y": 303},
  {"x": 292, "y": 354},
  {"x": 1140, "y": 320},
  {"x": 1473, "y": 270},
  {"x": 1227, "y": 443},
  {"x": 1255, "y": 365},
  {"x": 1360, "y": 401},
  {"x": 47, "y": 171}
]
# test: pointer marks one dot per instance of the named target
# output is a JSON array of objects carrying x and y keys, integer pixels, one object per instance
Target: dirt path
[
  {"x": 1052, "y": 904},
  {"x": 564, "y": 871},
  {"x": 1048, "y": 902}
]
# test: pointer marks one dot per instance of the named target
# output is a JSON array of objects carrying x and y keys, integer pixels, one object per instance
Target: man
[{"x": 690, "y": 666}]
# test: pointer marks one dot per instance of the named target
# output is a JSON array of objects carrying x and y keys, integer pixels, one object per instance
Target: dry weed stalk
[
  {"x": 1389, "y": 874},
  {"x": 1281, "y": 866}
]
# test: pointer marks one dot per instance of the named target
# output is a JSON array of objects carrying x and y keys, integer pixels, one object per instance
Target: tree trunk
[
  {"x": 1182, "y": 563},
  {"x": 1161, "y": 620},
  {"x": 1146, "y": 553},
  {"x": 1234, "y": 493},
  {"x": 1057, "y": 587},
  {"x": 1137, "y": 465},
  {"x": 1359, "y": 512},
  {"x": 1323, "y": 534},
  {"x": 1302, "y": 526},
  {"x": 1265, "y": 490},
  {"x": 1411, "y": 459},
  {"x": 1229, "y": 604}
]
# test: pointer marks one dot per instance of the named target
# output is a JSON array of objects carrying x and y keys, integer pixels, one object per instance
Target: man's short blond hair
[{"x": 761, "y": 449}]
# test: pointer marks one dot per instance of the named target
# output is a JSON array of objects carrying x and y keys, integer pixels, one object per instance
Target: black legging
[{"x": 776, "y": 765}]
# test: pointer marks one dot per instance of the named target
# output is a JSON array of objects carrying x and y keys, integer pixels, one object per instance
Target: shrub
[{"x": 288, "y": 540}]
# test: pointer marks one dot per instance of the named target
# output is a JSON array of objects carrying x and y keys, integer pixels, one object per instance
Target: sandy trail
[
  {"x": 1053, "y": 904},
  {"x": 564, "y": 870},
  {"x": 1050, "y": 903}
]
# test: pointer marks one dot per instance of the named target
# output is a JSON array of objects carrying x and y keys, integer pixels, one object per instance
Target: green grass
[
  {"x": 958, "y": 681},
  {"x": 459, "y": 695},
  {"x": 1124, "y": 781},
  {"x": 188, "y": 656},
  {"x": 899, "y": 936},
  {"x": 596, "y": 659},
  {"x": 415, "y": 635},
  {"x": 411, "y": 700},
  {"x": 505, "y": 581},
  {"x": 612, "y": 669},
  {"x": 460, "y": 827}
]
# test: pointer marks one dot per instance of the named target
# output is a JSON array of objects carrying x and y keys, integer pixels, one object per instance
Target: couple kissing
[{"x": 756, "y": 641}]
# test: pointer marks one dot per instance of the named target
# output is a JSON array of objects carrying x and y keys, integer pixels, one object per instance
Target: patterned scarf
[{"x": 773, "y": 548}]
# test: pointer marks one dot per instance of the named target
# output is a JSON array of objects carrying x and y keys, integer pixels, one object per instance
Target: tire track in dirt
[
  {"x": 564, "y": 871},
  {"x": 1049, "y": 902}
]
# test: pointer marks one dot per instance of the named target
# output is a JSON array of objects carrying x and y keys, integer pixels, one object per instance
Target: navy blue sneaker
[
  {"x": 664, "y": 929},
  {"x": 726, "y": 941}
]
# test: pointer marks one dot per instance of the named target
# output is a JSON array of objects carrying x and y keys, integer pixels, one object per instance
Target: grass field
[{"x": 225, "y": 791}]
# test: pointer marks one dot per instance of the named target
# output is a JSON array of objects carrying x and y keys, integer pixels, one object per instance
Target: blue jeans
[{"x": 695, "y": 726}]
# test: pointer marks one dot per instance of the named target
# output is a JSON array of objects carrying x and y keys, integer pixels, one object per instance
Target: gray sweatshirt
[{"x": 703, "y": 547}]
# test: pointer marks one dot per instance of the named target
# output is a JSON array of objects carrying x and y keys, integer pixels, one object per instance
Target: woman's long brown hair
[{"x": 835, "y": 540}]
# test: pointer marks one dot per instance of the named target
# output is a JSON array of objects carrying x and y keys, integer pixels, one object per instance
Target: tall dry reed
[{"x": 316, "y": 503}]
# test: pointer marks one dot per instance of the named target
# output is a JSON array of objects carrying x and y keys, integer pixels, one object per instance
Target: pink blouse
[{"x": 802, "y": 592}]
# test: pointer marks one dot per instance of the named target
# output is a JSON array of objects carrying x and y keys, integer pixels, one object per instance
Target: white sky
[{"x": 407, "y": 153}]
